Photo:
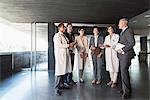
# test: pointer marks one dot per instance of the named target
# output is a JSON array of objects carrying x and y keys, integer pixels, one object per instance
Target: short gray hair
[{"x": 125, "y": 20}]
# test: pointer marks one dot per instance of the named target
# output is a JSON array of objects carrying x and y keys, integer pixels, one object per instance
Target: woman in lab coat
[{"x": 112, "y": 61}]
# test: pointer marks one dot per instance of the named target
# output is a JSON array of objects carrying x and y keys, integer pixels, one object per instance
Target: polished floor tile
[{"x": 39, "y": 85}]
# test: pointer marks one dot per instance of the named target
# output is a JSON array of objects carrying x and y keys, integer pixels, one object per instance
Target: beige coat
[
  {"x": 82, "y": 46},
  {"x": 62, "y": 56}
]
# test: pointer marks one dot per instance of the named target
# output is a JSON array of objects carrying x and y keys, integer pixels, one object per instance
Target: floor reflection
[{"x": 39, "y": 85}]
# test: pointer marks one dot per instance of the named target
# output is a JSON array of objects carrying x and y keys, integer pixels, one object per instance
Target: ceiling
[
  {"x": 141, "y": 21},
  {"x": 81, "y": 11}
]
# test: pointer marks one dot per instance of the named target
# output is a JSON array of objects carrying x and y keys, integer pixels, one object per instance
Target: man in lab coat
[{"x": 62, "y": 58}]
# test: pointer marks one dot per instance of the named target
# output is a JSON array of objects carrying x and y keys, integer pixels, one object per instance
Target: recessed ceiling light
[
  {"x": 134, "y": 21},
  {"x": 148, "y": 25},
  {"x": 147, "y": 16}
]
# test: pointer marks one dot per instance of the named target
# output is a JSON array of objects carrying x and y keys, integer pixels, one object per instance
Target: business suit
[
  {"x": 97, "y": 61},
  {"x": 126, "y": 38},
  {"x": 71, "y": 39}
]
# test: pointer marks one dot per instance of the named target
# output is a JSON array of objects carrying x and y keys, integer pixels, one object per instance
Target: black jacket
[{"x": 127, "y": 38}]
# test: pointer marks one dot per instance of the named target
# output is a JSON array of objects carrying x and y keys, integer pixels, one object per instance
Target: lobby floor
[{"x": 39, "y": 85}]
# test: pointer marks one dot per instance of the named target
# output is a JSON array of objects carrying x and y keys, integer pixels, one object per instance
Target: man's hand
[
  {"x": 120, "y": 51},
  {"x": 71, "y": 45}
]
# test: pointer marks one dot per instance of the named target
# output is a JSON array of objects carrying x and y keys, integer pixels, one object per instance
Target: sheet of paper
[{"x": 119, "y": 46}]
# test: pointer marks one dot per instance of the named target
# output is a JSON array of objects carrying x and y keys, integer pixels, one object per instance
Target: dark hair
[
  {"x": 80, "y": 28},
  {"x": 69, "y": 24},
  {"x": 60, "y": 25},
  {"x": 111, "y": 27},
  {"x": 95, "y": 27}
]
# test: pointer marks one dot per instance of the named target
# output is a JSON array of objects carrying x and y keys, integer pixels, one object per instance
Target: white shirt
[
  {"x": 96, "y": 38},
  {"x": 124, "y": 29},
  {"x": 60, "y": 32}
]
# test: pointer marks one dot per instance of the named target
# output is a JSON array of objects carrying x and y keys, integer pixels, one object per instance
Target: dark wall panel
[
  {"x": 51, "y": 32},
  {"x": 5, "y": 65}
]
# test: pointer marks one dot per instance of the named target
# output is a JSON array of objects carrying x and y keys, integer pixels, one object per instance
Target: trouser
[
  {"x": 81, "y": 73},
  {"x": 97, "y": 67},
  {"x": 81, "y": 69},
  {"x": 70, "y": 75},
  {"x": 113, "y": 76},
  {"x": 58, "y": 81},
  {"x": 125, "y": 78}
]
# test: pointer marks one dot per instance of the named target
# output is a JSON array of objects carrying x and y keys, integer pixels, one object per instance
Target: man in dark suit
[
  {"x": 125, "y": 55},
  {"x": 69, "y": 76}
]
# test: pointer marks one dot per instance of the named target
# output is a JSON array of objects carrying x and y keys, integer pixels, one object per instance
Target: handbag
[
  {"x": 97, "y": 51},
  {"x": 83, "y": 55}
]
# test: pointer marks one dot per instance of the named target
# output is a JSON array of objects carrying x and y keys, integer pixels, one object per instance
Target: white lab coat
[
  {"x": 62, "y": 56},
  {"x": 112, "y": 61}
]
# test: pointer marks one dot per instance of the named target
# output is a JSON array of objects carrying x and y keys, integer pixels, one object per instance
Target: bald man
[{"x": 125, "y": 55}]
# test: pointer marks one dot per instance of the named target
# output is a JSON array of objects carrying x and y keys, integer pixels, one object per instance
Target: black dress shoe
[
  {"x": 57, "y": 92},
  {"x": 65, "y": 86},
  {"x": 73, "y": 82},
  {"x": 125, "y": 96}
]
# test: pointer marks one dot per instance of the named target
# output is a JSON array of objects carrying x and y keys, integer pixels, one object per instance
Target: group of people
[{"x": 118, "y": 58}]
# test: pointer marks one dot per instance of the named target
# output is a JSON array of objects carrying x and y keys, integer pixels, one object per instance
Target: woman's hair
[
  {"x": 80, "y": 28},
  {"x": 60, "y": 25},
  {"x": 95, "y": 27},
  {"x": 111, "y": 27}
]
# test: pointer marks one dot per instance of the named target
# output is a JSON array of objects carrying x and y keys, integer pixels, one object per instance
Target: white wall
[{"x": 142, "y": 32}]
